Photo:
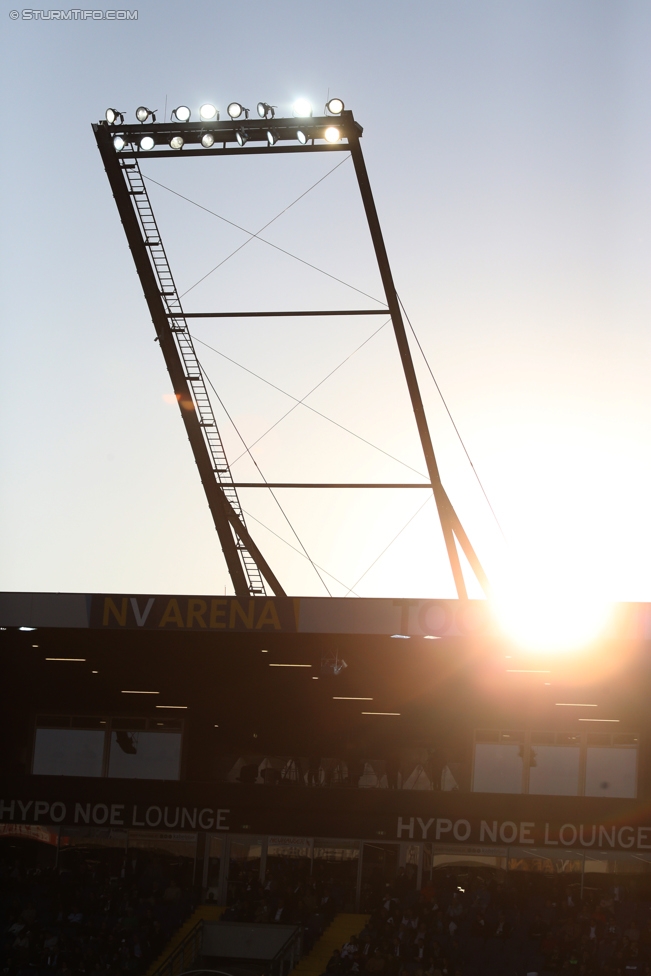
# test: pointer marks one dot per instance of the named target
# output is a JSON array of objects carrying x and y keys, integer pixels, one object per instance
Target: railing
[
  {"x": 288, "y": 955},
  {"x": 181, "y": 960},
  {"x": 185, "y": 954}
]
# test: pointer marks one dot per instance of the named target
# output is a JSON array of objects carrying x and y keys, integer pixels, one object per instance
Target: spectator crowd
[
  {"x": 82, "y": 919},
  {"x": 107, "y": 917},
  {"x": 523, "y": 925}
]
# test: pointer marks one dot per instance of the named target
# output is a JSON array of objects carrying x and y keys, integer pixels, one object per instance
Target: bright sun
[{"x": 554, "y": 612}]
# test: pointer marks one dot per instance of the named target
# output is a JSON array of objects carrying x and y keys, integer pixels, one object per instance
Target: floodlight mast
[{"x": 245, "y": 563}]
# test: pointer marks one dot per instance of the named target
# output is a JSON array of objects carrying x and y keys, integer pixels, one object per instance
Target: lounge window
[
  {"x": 140, "y": 754},
  {"x": 554, "y": 769},
  {"x": 92, "y": 746},
  {"x": 611, "y": 771},
  {"x": 68, "y": 752},
  {"x": 556, "y": 763},
  {"x": 498, "y": 763}
]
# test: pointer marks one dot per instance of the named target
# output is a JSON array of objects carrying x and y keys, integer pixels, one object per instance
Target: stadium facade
[{"x": 237, "y": 729}]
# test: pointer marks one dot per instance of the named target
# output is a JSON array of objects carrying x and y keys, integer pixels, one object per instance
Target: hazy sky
[{"x": 508, "y": 146}]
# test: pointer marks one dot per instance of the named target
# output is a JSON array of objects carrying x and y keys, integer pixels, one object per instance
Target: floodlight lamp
[
  {"x": 112, "y": 115},
  {"x": 118, "y": 143},
  {"x": 182, "y": 113},
  {"x": 207, "y": 113},
  {"x": 147, "y": 143},
  {"x": 302, "y": 109},
  {"x": 302, "y": 137},
  {"x": 335, "y": 106},
  {"x": 272, "y": 137},
  {"x": 242, "y": 137},
  {"x": 266, "y": 111},
  {"x": 177, "y": 142},
  {"x": 143, "y": 114},
  {"x": 207, "y": 140},
  {"x": 332, "y": 134},
  {"x": 235, "y": 110}
]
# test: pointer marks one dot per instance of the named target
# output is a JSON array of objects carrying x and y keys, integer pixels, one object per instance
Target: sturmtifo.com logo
[{"x": 73, "y": 14}]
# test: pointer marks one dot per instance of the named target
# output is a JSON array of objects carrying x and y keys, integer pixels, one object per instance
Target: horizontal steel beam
[
  {"x": 291, "y": 484},
  {"x": 264, "y": 315},
  {"x": 230, "y": 151}
]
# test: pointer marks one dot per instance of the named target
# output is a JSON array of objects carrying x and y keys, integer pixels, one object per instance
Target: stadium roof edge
[{"x": 315, "y": 615}]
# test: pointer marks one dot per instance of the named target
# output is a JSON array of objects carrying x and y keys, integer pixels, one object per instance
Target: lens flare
[
  {"x": 302, "y": 108},
  {"x": 552, "y": 613}
]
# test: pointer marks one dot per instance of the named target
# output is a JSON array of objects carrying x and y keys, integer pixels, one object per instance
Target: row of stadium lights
[{"x": 302, "y": 109}]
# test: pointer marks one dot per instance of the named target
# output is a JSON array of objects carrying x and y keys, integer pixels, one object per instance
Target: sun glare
[{"x": 557, "y": 616}]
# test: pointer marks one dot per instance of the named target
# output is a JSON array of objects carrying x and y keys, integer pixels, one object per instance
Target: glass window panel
[
  {"x": 511, "y": 737},
  {"x": 554, "y": 770},
  {"x": 215, "y": 849},
  {"x": 544, "y": 861},
  {"x": 336, "y": 850},
  {"x": 598, "y": 739},
  {"x": 160, "y": 723},
  {"x": 611, "y": 771},
  {"x": 335, "y": 864},
  {"x": 542, "y": 738},
  {"x": 288, "y": 847},
  {"x": 68, "y": 752},
  {"x": 88, "y": 722},
  {"x": 103, "y": 837},
  {"x": 498, "y": 768},
  {"x": 145, "y": 755},
  {"x": 487, "y": 735},
  {"x": 568, "y": 738},
  {"x": 175, "y": 845},
  {"x": 243, "y": 866}
]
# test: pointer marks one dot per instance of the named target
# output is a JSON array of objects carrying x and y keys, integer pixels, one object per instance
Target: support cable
[
  {"x": 273, "y": 495},
  {"x": 456, "y": 429},
  {"x": 300, "y": 553},
  {"x": 267, "y": 225},
  {"x": 377, "y": 558},
  {"x": 308, "y": 407},
  {"x": 320, "y": 383},
  {"x": 252, "y": 235}
]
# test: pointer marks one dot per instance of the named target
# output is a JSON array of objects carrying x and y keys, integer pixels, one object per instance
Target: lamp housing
[
  {"x": 113, "y": 117},
  {"x": 266, "y": 111},
  {"x": 335, "y": 106},
  {"x": 182, "y": 113},
  {"x": 143, "y": 114},
  {"x": 236, "y": 110},
  {"x": 208, "y": 113}
]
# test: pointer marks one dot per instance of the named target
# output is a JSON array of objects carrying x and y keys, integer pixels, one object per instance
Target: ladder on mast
[{"x": 193, "y": 372}]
